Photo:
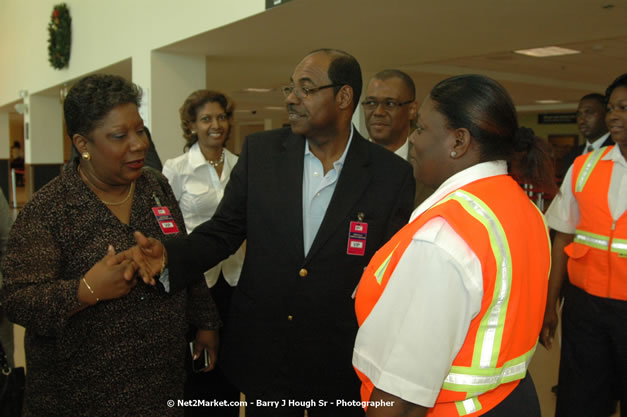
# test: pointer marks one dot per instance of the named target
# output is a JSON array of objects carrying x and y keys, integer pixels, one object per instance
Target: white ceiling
[{"x": 430, "y": 40}]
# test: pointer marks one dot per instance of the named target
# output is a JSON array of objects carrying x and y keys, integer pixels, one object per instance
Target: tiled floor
[
  {"x": 20, "y": 194},
  {"x": 544, "y": 368}
]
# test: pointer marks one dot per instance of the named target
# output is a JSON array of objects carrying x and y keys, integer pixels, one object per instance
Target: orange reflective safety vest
[
  {"x": 509, "y": 237},
  {"x": 598, "y": 254}
]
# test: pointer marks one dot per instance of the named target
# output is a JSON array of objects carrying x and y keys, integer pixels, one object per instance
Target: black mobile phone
[{"x": 203, "y": 360}]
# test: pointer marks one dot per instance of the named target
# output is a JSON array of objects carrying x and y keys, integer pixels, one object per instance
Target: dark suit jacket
[
  {"x": 294, "y": 315},
  {"x": 570, "y": 157}
]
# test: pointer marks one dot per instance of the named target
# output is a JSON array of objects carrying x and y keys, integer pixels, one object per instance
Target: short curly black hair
[
  {"x": 408, "y": 83},
  {"x": 343, "y": 70},
  {"x": 93, "y": 97},
  {"x": 621, "y": 81}
]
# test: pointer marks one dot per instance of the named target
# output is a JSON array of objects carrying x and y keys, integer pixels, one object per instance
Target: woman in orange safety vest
[
  {"x": 590, "y": 219},
  {"x": 451, "y": 307}
]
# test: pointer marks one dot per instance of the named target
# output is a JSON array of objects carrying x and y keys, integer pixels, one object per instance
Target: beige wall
[
  {"x": 103, "y": 32},
  {"x": 545, "y": 130},
  {"x": 44, "y": 144},
  {"x": 5, "y": 136}
]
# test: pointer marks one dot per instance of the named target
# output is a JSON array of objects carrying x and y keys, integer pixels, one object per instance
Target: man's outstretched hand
[{"x": 149, "y": 255}]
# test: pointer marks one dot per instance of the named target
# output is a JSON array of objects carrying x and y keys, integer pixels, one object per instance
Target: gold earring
[{"x": 86, "y": 156}]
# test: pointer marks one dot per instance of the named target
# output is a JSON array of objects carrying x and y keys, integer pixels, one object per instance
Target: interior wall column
[
  {"x": 43, "y": 141},
  {"x": 5, "y": 153},
  {"x": 142, "y": 77},
  {"x": 172, "y": 79}
]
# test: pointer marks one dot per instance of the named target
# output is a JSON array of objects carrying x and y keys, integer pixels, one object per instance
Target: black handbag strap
[
  {"x": 6, "y": 373},
  {"x": 4, "y": 362}
]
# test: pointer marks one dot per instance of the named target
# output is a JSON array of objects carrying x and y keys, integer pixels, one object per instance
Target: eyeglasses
[
  {"x": 302, "y": 92},
  {"x": 388, "y": 104}
]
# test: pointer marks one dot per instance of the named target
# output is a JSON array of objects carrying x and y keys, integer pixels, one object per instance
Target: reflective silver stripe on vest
[
  {"x": 478, "y": 381},
  {"x": 591, "y": 239},
  {"x": 378, "y": 274},
  {"x": 591, "y": 160},
  {"x": 498, "y": 239},
  {"x": 619, "y": 246},
  {"x": 483, "y": 374},
  {"x": 469, "y": 406}
]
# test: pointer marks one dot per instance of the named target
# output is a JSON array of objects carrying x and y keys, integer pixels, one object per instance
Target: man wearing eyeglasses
[
  {"x": 314, "y": 202},
  {"x": 390, "y": 109}
]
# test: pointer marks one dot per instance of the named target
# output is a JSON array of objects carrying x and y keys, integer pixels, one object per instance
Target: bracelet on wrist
[{"x": 90, "y": 290}]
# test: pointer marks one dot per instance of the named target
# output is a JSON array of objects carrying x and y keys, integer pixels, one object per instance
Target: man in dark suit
[
  {"x": 591, "y": 124},
  {"x": 390, "y": 108},
  {"x": 314, "y": 203}
]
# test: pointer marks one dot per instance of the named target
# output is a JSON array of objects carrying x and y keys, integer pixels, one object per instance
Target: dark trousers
[
  {"x": 316, "y": 409},
  {"x": 522, "y": 402},
  {"x": 278, "y": 400},
  {"x": 212, "y": 385},
  {"x": 593, "y": 364}
]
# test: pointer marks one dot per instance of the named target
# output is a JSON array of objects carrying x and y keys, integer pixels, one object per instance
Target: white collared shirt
[
  {"x": 408, "y": 342},
  {"x": 403, "y": 151},
  {"x": 596, "y": 144},
  {"x": 563, "y": 214},
  {"x": 318, "y": 189},
  {"x": 198, "y": 190}
]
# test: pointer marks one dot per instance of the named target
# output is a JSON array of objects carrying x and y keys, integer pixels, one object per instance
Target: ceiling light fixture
[
  {"x": 21, "y": 108},
  {"x": 257, "y": 90},
  {"x": 549, "y": 101},
  {"x": 274, "y": 108},
  {"x": 547, "y": 51}
]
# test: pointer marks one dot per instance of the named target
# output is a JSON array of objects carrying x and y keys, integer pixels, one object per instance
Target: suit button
[
  {"x": 290, "y": 317},
  {"x": 303, "y": 273}
]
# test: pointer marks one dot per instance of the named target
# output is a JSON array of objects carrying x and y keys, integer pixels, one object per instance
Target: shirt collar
[
  {"x": 340, "y": 162},
  {"x": 403, "y": 151},
  {"x": 195, "y": 156},
  {"x": 464, "y": 177},
  {"x": 616, "y": 156},
  {"x": 596, "y": 144}
]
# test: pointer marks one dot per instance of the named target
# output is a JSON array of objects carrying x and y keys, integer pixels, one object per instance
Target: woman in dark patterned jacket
[{"x": 98, "y": 341}]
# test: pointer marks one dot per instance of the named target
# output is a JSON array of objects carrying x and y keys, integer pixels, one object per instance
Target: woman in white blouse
[{"x": 198, "y": 178}]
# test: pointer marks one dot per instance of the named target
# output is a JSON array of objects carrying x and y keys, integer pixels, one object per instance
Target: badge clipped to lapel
[
  {"x": 165, "y": 220},
  {"x": 357, "y": 234}
]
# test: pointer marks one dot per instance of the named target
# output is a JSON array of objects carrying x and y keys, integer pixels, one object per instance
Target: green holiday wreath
[{"x": 60, "y": 36}]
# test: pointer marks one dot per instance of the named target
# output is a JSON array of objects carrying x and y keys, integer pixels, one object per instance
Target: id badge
[
  {"x": 165, "y": 220},
  {"x": 357, "y": 234}
]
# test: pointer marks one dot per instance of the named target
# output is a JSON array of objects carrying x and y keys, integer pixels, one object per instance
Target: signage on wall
[
  {"x": 274, "y": 3},
  {"x": 557, "y": 118}
]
